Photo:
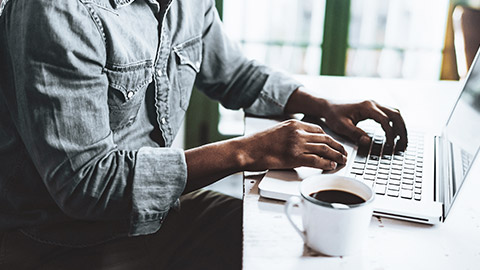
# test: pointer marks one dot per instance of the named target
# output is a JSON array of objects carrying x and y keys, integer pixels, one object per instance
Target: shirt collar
[
  {"x": 122, "y": 3},
  {"x": 155, "y": 3}
]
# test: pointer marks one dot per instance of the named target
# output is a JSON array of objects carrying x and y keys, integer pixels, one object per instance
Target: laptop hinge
[{"x": 442, "y": 172}]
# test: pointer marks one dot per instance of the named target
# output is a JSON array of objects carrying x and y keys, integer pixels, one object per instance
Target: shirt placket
[{"x": 162, "y": 84}]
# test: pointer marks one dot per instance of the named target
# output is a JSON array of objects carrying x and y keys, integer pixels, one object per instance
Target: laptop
[{"x": 419, "y": 184}]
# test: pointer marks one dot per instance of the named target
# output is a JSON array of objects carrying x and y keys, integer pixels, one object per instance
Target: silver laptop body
[{"x": 419, "y": 184}]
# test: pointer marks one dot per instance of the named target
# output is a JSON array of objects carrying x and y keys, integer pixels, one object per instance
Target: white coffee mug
[{"x": 330, "y": 228}]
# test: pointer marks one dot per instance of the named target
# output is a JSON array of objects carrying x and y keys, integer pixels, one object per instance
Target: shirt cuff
[
  {"x": 274, "y": 95},
  {"x": 158, "y": 182}
]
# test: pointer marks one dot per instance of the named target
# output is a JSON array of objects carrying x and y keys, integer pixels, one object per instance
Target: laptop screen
[{"x": 462, "y": 130}]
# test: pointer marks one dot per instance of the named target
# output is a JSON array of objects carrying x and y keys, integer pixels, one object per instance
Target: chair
[{"x": 465, "y": 22}]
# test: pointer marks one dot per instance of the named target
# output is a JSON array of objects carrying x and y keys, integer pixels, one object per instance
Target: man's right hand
[
  {"x": 287, "y": 145},
  {"x": 292, "y": 144}
]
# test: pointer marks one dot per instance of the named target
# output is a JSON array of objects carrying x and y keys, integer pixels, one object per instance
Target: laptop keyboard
[{"x": 388, "y": 171}]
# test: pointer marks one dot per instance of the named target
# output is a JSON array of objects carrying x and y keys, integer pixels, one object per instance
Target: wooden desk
[{"x": 271, "y": 243}]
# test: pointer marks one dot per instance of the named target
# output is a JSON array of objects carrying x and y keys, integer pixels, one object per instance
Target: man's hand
[
  {"x": 343, "y": 118},
  {"x": 287, "y": 145},
  {"x": 292, "y": 144}
]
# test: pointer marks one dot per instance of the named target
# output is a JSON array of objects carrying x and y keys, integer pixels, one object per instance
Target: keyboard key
[
  {"x": 385, "y": 162},
  {"x": 382, "y": 176},
  {"x": 384, "y": 166},
  {"x": 418, "y": 197},
  {"x": 407, "y": 181},
  {"x": 398, "y": 158},
  {"x": 407, "y": 187},
  {"x": 360, "y": 159},
  {"x": 409, "y": 162},
  {"x": 383, "y": 171},
  {"x": 395, "y": 177},
  {"x": 409, "y": 167},
  {"x": 357, "y": 172},
  {"x": 359, "y": 166},
  {"x": 381, "y": 181},
  {"x": 371, "y": 167},
  {"x": 393, "y": 193},
  {"x": 406, "y": 194},
  {"x": 418, "y": 185},
  {"x": 373, "y": 157},
  {"x": 380, "y": 189},
  {"x": 372, "y": 162},
  {"x": 369, "y": 177},
  {"x": 395, "y": 172},
  {"x": 393, "y": 187},
  {"x": 397, "y": 162},
  {"x": 387, "y": 157},
  {"x": 418, "y": 191},
  {"x": 397, "y": 168},
  {"x": 394, "y": 182}
]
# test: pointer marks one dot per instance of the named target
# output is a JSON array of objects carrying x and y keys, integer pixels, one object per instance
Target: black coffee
[{"x": 337, "y": 196}]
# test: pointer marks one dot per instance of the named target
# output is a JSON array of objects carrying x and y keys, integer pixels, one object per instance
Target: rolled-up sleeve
[
  {"x": 60, "y": 92},
  {"x": 153, "y": 188},
  {"x": 237, "y": 82}
]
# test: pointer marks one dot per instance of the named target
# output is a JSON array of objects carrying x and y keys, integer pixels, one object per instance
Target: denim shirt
[{"x": 92, "y": 94}]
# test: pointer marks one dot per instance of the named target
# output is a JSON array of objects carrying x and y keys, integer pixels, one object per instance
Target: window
[{"x": 396, "y": 38}]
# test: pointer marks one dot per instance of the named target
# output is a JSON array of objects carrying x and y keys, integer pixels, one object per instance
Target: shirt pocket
[
  {"x": 126, "y": 92},
  {"x": 189, "y": 59}
]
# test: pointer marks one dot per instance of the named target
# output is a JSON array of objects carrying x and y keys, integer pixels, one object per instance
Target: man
[{"x": 92, "y": 93}]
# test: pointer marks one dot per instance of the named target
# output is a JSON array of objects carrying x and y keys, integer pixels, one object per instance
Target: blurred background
[{"x": 403, "y": 39}]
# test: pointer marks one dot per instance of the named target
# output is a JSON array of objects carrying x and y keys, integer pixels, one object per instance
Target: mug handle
[{"x": 291, "y": 202}]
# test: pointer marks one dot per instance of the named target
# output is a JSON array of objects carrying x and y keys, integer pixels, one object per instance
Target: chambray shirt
[{"x": 92, "y": 94}]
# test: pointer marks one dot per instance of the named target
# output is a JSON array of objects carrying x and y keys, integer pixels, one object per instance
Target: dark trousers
[{"x": 205, "y": 234}]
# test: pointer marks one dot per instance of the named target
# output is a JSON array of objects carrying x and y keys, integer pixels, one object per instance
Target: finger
[
  {"x": 380, "y": 117},
  {"x": 312, "y": 128},
  {"x": 314, "y": 161},
  {"x": 317, "y": 138},
  {"x": 354, "y": 133},
  {"x": 326, "y": 152},
  {"x": 398, "y": 125}
]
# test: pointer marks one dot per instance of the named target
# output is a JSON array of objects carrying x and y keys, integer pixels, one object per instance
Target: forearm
[
  {"x": 211, "y": 162},
  {"x": 302, "y": 102}
]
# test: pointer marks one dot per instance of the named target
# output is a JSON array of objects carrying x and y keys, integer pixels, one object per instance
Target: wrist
[
  {"x": 302, "y": 102},
  {"x": 244, "y": 156}
]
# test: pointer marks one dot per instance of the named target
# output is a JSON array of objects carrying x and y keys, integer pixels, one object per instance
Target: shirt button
[
  {"x": 163, "y": 120},
  {"x": 130, "y": 94}
]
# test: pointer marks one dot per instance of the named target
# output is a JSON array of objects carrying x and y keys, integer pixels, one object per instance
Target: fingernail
[
  {"x": 365, "y": 140},
  {"x": 333, "y": 165},
  {"x": 344, "y": 160}
]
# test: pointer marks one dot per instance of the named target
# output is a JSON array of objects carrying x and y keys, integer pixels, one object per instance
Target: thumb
[{"x": 355, "y": 134}]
